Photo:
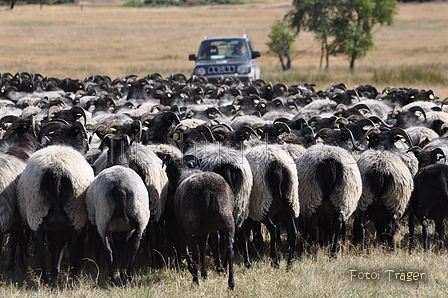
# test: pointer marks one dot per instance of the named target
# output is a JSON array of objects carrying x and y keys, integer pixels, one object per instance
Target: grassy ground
[
  {"x": 392, "y": 274},
  {"x": 85, "y": 39}
]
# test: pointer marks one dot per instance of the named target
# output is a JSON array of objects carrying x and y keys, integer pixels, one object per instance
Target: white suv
[{"x": 225, "y": 56}]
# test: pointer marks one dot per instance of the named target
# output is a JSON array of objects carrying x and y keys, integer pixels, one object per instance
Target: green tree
[
  {"x": 280, "y": 42},
  {"x": 342, "y": 26},
  {"x": 316, "y": 16}
]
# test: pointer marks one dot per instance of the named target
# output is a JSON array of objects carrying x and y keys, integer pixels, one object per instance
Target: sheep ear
[
  {"x": 166, "y": 160},
  {"x": 105, "y": 142}
]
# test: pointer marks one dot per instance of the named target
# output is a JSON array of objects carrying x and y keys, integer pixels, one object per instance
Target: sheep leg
[
  {"x": 291, "y": 231},
  {"x": 202, "y": 253},
  {"x": 56, "y": 242},
  {"x": 439, "y": 229},
  {"x": 257, "y": 236},
  {"x": 17, "y": 240},
  {"x": 108, "y": 252},
  {"x": 337, "y": 228},
  {"x": 242, "y": 235},
  {"x": 359, "y": 229},
  {"x": 76, "y": 250},
  {"x": 229, "y": 257},
  {"x": 192, "y": 263},
  {"x": 425, "y": 232},
  {"x": 152, "y": 233},
  {"x": 120, "y": 250},
  {"x": 272, "y": 233},
  {"x": 411, "y": 226},
  {"x": 134, "y": 244},
  {"x": 215, "y": 240},
  {"x": 40, "y": 250}
]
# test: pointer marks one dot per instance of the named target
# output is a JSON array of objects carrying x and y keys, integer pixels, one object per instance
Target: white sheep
[
  {"x": 117, "y": 201},
  {"x": 51, "y": 196}
]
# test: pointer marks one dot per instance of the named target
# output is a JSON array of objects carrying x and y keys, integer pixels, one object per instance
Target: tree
[
  {"x": 342, "y": 26},
  {"x": 281, "y": 40}
]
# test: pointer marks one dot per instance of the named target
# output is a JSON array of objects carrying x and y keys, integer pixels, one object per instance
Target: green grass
[{"x": 315, "y": 275}]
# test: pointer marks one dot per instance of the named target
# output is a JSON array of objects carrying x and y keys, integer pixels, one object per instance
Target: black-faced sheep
[
  {"x": 203, "y": 204},
  {"x": 117, "y": 202},
  {"x": 387, "y": 179},
  {"x": 51, "y": 200},
  {"x": 329, "y": 186}
]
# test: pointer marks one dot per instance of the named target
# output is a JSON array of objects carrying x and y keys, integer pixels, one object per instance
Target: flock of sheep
[{"x": 186, "y": 163}]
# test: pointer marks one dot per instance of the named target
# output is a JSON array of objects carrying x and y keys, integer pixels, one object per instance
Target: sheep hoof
[
  {"x": 231, "y": 286},
  {"x": 275, "y": 264},
  {"x": 248, "y": 264}
]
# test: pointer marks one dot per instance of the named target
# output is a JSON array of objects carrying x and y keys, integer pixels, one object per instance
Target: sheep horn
[
  {"x": 173, "y": 116},
  {"x": 400, "y": 131},
  {"x": 420, "y": 109},
  {"x": 51, "y": 126},
  {"x": 362, "y": 106},
  {"x": 283, "y": 120},
  {"x": 113, "y": 124},
  {"x": 376, "y": 119},
  {"x": 437, "y": 154},
  {"x": 222, "y": 125},
  {"x": 213, "y": 109},
  {"x": 208, "y": 133},
  {"x": 137, "y": 124},
  {"x": 52, "y": 110},
  {"x": 282, "y": 126},
  {"x": 9, "y": 119},
  {"x": 278, "y": 100},
  {"x": 78, "y": 111},
  {"x": 246, "y": 130},
  {"x": 147, "y": 116}
]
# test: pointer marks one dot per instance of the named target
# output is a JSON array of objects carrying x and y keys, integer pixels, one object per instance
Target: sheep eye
[
  {"x": 147, "y": 123},
  {"x": 260, "y": 131},
  {"x": 394, "y": 116},
  {"x": 191, "y": 164},
  {"x": 313, "y": 124},
  {"x": 198, "y": 102},
  {"x": 168, "y": 95},
  {"x": 113, "y": 129},
  {"x": 237, "y": 103},
  {"x": 263, "y": 105},
  {"x": 412, "y": 96},
  {"x": 176, "y": 136},
  {"x": 256, "y": 101},
  {"x": 431, "y": 96}
]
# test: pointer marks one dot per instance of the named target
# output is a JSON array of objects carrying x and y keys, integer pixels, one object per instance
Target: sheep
[
  {"x": 330, "y": 187},
  {"x": 233, "y": 166},
  {"x": 275, "y": 190},
  {"x": 387, "y": 179},
  {"x": 117, "y": 201},
  {"x": 51, "y": 200},
  {"x": 203, "y": 204},
  {"x": 16, "y": 146},
  {"x": 148, "y": 166},
  {"x": 429, "y": 200}
]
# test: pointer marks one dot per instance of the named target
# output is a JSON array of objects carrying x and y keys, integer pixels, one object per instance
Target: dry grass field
[
  {"x": 77, "y": 41},
  {"x": 84, "y": 39}
]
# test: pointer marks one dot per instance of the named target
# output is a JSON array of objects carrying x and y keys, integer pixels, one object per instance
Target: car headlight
[
  {"x": 243, "y": 69},
  {"x": 200, "y": 71}
]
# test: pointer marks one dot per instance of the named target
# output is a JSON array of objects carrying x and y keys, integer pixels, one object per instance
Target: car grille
[{"x": 221, "y": 69}]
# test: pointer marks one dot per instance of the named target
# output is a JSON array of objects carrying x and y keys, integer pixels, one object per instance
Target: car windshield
[{"x": 221, "y": 49}]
